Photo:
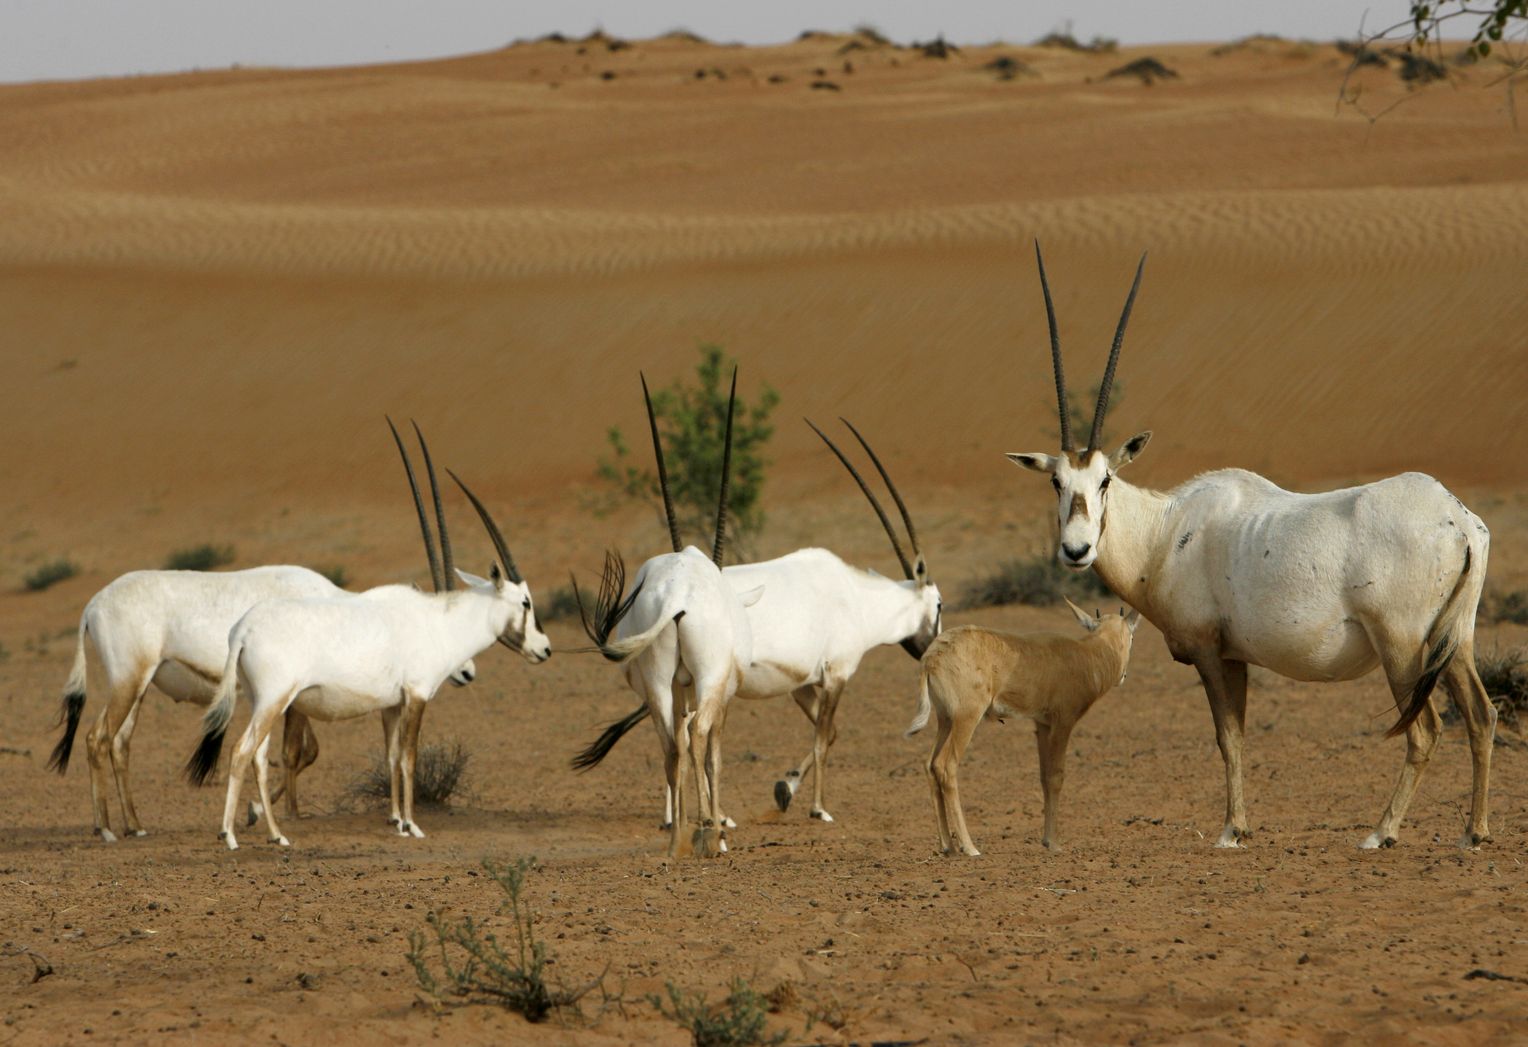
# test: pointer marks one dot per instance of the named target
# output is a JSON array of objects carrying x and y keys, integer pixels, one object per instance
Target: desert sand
[{"x": 214, "y": 285}]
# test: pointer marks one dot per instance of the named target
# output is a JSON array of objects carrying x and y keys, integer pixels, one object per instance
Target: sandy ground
[{"x": 214, "y": 284}]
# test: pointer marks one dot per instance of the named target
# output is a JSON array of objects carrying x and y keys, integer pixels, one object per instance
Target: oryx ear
[
  {"x": 472, "y": 579},
  {"x": 1040, "y": 463},
  {"x": 920, "y": 570},
  {"x": 1132, "y": 619},
  {"x": 752, "y": 596},
  {"x": 1129, "y": 449},
  {"x": 1089, "y": 623}
]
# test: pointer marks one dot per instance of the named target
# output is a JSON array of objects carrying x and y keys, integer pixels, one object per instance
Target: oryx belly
[
  {"x": 770, "y": 679},
  {"x": 338, "y": 703},
  {"x": 183, "y": 682}
]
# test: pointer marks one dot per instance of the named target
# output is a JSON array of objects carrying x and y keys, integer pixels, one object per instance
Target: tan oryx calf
[{"x": 970, "y": 673}]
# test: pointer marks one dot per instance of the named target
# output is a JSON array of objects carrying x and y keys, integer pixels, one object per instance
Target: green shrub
[
  {"x": 1039, "y": 581},
  {"x": 737, "y": 1021},
  {"x": 51, "y": 573},
  {"x": 200, "y": 558},
  {"x": 474, "y": 968},
  {"x": 692, "y": 421},
  {"x": 439, "y": 771}
]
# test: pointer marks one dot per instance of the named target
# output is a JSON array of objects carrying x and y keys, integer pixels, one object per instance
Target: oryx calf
[{"x": 970, "y": 674}]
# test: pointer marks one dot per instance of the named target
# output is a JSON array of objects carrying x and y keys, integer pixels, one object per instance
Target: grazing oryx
[
  {"x": 385, "y": 650},
  {"x": 970, "y": 674},
  {"x": 817, "y": 619},
  {"x": 682, "y": 631},
  {"x": 1236, "y": 571},
  {"x": 170, "y": 628}
]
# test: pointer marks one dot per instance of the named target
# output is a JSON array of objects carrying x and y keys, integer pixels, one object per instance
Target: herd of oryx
[{"x": 1232, "y": 569}]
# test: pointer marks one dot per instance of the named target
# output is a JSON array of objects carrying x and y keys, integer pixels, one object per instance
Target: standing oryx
[
  {"x": 682, "y": 632},
  {"x": 817, "y": 619},
  {"x": 170, "y": 628},
  {"x": 385, "y": 650},
  {"x": 1236, "y": 571}
]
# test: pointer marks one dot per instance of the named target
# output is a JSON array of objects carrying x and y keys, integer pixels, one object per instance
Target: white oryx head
[
  {"x": 521, "y": 630},
  {"x": 930, "y": 618},
  {"x": 1081, "y": 478}
]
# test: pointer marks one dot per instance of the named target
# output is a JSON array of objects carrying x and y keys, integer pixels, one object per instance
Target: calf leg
[
  {"x": 1052, "y": 741},
  {"x": 946, "y": 767},
  {"x": 936, "y": 786}
]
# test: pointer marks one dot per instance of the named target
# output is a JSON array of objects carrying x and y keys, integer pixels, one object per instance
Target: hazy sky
[{"x": 71, "y": 39}]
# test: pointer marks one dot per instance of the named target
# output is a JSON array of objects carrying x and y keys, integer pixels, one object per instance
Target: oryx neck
[{"x": 1131, "y": 543}]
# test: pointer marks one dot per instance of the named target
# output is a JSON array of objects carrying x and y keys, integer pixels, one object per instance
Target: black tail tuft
[
  {"x": 73, "y": 706},
  {"x": 609, "y": 606},
  {"x": 606, "y": 741},
  {"x": 205, "y": 760}
]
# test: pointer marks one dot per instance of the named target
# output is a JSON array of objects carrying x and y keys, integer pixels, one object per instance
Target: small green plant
[
  {"x": 475, "y": 968},
  {"x": 737, "y": 1021},
  {"x": 50, "y": 574},
  {"x": 439, "y": 771},
  {"x": 692, "y": 421},
  {"x": 336, "y": 574},
  {"x": 203, "y": 557},
  {"x": 560, "y": 603},
  {"x": 1039, "y": 581}
]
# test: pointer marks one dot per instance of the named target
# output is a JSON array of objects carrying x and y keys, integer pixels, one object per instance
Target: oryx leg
[
  {"x": 945, "y": 765},
  {"x": 822, "y": 741},
  {"x": 299, "y": 750},
  {"x": 413, "y": 718},
  {"x": 262, "y": 781},
  {"x": 1225, "y": 685},
  {"x": 121, "y": 752},
  {"x": 262, "y": 720},
  {"x": 122, "y": 699},
  {"x": 1462, "y": 680},
  {"x": 1052, "y": 741},
  {"x": 392, "y": 718},
  {"x": 678, "y": 783}
]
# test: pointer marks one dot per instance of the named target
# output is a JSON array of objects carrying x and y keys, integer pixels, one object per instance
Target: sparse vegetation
[
  {"x": 1147, "y": 70},
  {"x": 692, "y": 421},
  {"x": 1508, "y": 607},
  {"x": 1039, "y": 581},
  {"x": 475, "y": 968},
  {"x": 205, "y": 557},
  {"x": 560, "y": 603},
  {"x": 938, "y": 47},
  {"x": 1079, "y": 410},
  {"x": 1064, "y": 39},
  {"x": 1009, "y": 68},
  {"x": 50, "y": 574},
  {"x": 336, "y": 574},
  {"x": 1505, "y": 674},
  {"x": 737, "y": 1021},
  {"x": 439, "y": 771},
  {"x": 1497, "y": 20}
]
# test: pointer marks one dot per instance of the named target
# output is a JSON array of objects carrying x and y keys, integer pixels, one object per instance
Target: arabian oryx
[
  {"x": 1236, "y": 571},
  {"x": 170, "y": 628},
  {"x": 970, "y": 674},
  {"x": 684, "y": 642},
  {"x": 817, "y": 619},
  {"x": 386, "y": 650}
]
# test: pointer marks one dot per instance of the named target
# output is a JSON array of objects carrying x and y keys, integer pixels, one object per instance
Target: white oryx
[
  {"x": 386, "y": 650},
  {"x": 817, "y": 619},
  {"x": 683, "y": 639},
  {"x": 1236, "y": 571},
  {"x": 170, "y": 628}
]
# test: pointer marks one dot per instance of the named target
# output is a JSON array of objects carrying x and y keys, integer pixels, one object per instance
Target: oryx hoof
[
  {"x": 233, "y": 845},
  {"x": 253, "y": 814},
  {"x": 822, "y": 816},
  {"x": 665, "y": 826},
  {"x": 1375, "y": 841},
  {"x": 1471, "y": 841},
  {"x": 707, "y": 842},
  {"x": 1051, "y": 845},
  {"x": 783, "y": 794},
  {"x": 281, "y": 841},
  {"x": 1233, "y": 837},
  {"x": 415, "y": 831},
  {"x": 728, "y": 823},
  {"x": 138, "y": 832},
  {"x": 107, "y": 836}
]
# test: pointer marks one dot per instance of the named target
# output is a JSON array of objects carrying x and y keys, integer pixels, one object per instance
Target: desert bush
[
  {"x": 439, "y": 771},
  {"x": 560, "y": 603},
  {"x": 1509, "y": 607},
  {"x": 202, "y": 557},
  {"x": 1064, "y": 39},
  {"x": 737, "y": 1021},
  {"x": 475, "y": 968},
  {"x": 1505, "y": 674},
  {"x": 692, "y": 421},
  {"x": 50, "y": 574},
  {"x": 336, "y": 574},
  {"x": 1039, "y": 581}
]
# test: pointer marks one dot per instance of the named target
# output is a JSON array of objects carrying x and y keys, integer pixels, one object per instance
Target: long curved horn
[
  {"x": 663, "y": 485},
  {"x": 424, "y": 521},
  {"x": 1119, "y": 338},
  {"x": 494, "y": 533},
  {"x": 907, "y": 567},
  {"x": 1055, "y": 339},
  {"x": 721, "y": 504},
  {"x": 907, "y": 519},
  {"x": 447, "y": 562}
]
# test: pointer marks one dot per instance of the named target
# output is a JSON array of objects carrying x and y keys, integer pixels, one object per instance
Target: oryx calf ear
[
  {"x": 1088, "y": 621},
  {"x": 1129, "y": 449},
  {"x": 1132, "y": 619},
  {"x": 1040, "y": 463}
]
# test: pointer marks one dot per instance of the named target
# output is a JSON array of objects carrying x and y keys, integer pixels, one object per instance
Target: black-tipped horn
[
  {"x": 424, "y": 521},
  {"x": 907, "y": 567},
  {"x": 721, "y": 502},
  {"x": 1055, "y": 340},
  {"x": 1108, "y": 382},
  {"x": 508, "y": 561},
  {"x": 907, "y": 519},
  {"x": 447, "y": 562},
  {"x": 663, "y": 484}
]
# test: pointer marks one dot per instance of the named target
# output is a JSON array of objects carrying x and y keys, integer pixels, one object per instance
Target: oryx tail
[
  {"x": 217, "y": 717},
  {"x": 925, "y": 705},
  {"x": 72, "y": 707},
  {"x": 602, "y": 745},
  {"x": 1442, "y": 644}
]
